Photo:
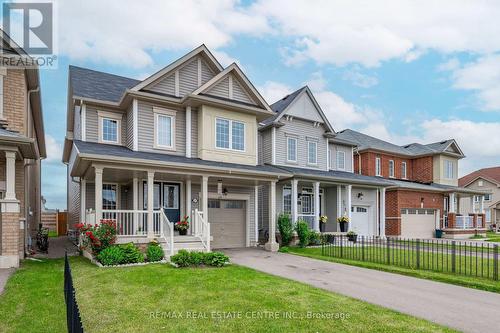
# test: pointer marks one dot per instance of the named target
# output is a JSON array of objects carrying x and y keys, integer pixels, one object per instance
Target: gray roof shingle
[
  {"x": 280, "y": 106},
  {"x": 102, "y": 86}
]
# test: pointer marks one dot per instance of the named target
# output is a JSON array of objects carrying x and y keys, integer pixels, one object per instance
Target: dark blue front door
[{"x": 166, "y": 196}]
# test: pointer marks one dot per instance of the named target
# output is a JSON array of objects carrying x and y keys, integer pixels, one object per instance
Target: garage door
[
  {"x": 361, "y": 221},
  {"x": 418, "y": 223},
  {"x": 227, "y": 223}
]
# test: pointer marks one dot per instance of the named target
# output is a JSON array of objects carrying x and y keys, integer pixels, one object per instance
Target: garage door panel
[
  {"x": 418, "y": 223},
  {"x": 227, "y": 223}
]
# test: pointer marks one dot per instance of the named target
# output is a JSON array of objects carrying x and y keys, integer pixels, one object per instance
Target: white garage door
[
  {"x": 418, "y": 223},
  {"x": 361, "y": 221},
  {"x": 227, "y": 223}
]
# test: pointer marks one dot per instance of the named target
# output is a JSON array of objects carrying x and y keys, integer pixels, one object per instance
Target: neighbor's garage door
[
  {"x": 227, "y": 223},
  {"x": 418, "y": 223}
]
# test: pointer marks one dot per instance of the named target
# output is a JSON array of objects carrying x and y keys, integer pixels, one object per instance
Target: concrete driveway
[{"x": 465, "y": 309}]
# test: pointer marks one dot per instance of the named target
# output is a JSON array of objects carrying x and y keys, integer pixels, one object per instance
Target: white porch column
[
  {"x": 135, "y": 203},
  {"x": 188, "y": 205},
  {"x": 271, "y": 245},
  {"x": 83, "y": 195},
  {"x": 382, "y": 212},
  {"x": 98, "y": 194},
  {"x": 452, "y": 203},
  {"x": 10, "y": 175},
  {"x": 204, "y": 197},
  {"x": 316, "y": 207},
  {"x": 349, "y": 204},
  {"x": 339, "y": 201},
  {"x": 481, "y": 205},
  {"x": 472, "y": 205},
  {"x": 256, "y": 213},
  {"x": 151, "y": 177},
  {"x": 188, "y": 131},
  {"x": 294, "y": 198}
]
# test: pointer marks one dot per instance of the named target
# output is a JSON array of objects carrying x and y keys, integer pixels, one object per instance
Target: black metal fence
[
  {"x": 447, "y": 256},
  {"x": 73, "y": 319}
]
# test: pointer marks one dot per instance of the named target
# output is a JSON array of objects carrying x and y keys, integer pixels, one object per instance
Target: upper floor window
[
  {"x": 229, "y": 134},
  {"x": 403, "y": 170},
  {"x": 477, "y": 198},
  {"x": 340, "y": 160},
  {"x": 449, "y": 171},
  {"x": 109, "y": 127},
  {"x": 291, "y": 149},
  {"x": 312, "y": 152},
  {"x": 378, "y": 169},
  {"x": 287, "y": 200},
  {"x": 391, "y": 168},
  {"x": 487, "y": 197},
  {"x": 164, "y": 128}
]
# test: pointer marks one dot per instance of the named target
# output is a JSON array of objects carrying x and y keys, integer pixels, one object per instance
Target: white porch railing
[
  {"x": 167, "y": 232},
  {"x": 464, "y": 222},
  {"x": 201, "y": 229},
  {"x": 131, "y": 222},
  {"x": 90, "y": 216}
]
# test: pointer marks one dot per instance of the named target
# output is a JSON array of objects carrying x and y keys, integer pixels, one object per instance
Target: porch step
[{"x": 186, "y": 239}]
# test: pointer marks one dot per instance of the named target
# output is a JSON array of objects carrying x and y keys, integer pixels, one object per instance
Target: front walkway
[
  {"x": 465, "y": 309},
  {"x": 4, "y": 276},
  {"x": 57, "y": 247}
]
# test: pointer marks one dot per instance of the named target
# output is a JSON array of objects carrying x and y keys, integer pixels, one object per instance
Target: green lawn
[
  {"x": 141, "y": 299},
  {"x": 493, "y": 237},
  {"x": 467, "y": 281}
]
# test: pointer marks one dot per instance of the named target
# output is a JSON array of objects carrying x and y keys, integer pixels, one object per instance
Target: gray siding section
[
  {"x": 73, "y": 194},
  {"x": 239, "y": 93},
  {"x": 221, "y": 89},
  {"x": 266, "y": 146},
  {"x": 303, "y": 130},
  {"x": 129, "y": 138},
  {"x": 77, "y": 124},
  {"x": 165, "y": 85},
  {"x": 91, "y": 129},
  {"x": 194, "y": 133},
  {"x": 206, "y": 73},
  {"x": 146, "y": 130},
  {"x": 90, "y": 196},
  {"x": 334, "y": 148},
  {"x": 188, "y": 78}
]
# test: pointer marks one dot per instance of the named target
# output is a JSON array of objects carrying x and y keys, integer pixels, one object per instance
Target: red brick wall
[
  {"x": 422, "y": 169},
  {"x": 399, "y": 199}
]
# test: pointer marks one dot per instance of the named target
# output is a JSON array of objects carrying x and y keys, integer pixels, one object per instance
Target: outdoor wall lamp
[{"x": 360, "y": 195}]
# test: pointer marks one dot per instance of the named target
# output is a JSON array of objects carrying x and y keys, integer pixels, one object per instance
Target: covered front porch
[{"x": 464, "y": 220}]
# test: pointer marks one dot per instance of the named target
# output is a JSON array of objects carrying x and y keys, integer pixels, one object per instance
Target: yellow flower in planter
[
  {"x": 323, "y": 218},
  {"x": 343, "y": 219}
]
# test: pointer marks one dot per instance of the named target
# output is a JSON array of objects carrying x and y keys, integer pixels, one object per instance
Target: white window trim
[
  {"x": 283, "y": 199},
  {"x": 316, "y": 152},
  {"x": 378, "y": 167},
  {"x": 391, "y": 162},
  {"x": 296, "y": 150},
  {"x": 231, "y": 135},
  {"x": 337, "y": 161},
  {"x": 118, "y": 197},
  {"x": 446, "y": 163},
  {"x": 489, "y": 197},
  {"x": 405, "y": 174},
  {"x": 168, "y": 113},
  {"x": 102, "y": 115}
]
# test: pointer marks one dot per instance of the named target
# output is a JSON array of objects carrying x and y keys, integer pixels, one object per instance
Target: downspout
[
  {"x": 27, "y": 163},
  {"x": 359, "y": 160}
]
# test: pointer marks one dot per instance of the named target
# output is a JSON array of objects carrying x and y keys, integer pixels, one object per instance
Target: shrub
[
  {"x": 314, "y": 238},
  {"x": 302, "y": 229},
  {"x": 99, "y": 236},
  {"x": 285, "y": 228},
  {"x": 131, "y": 254},
  {"x": 284, "y": 249},
  {"x": 217, "y": 259},
  {"x": 181, "y": 259},
  {"x": 154, "y": 252},
  {"x": 196, "y": 258},
  {"x": 112, "y": 255}
]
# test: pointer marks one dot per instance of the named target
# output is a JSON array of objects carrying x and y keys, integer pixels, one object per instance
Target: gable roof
[
  {"x": 97, "y": 85},
  {"x": 202, "y": 49},
  {"x": 282, "y": 106},
  {"x": 490, "y": 174},
  {"x": 366, "y": 142},
  {"x": 235, "y": 70}
]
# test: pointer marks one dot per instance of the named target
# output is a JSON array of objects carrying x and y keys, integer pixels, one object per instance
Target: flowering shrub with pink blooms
[{"x": 97, "y": 237}]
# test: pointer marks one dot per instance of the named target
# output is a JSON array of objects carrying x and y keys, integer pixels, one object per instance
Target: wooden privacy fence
[{"x": 55, "y": 221}]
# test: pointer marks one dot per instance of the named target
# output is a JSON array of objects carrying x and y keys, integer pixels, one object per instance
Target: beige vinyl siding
[
  {"x": 188, "y": 78},
  {"x": 334, "y": 148},
  {"x": 164, "y": 85},
  {"x": 303, "y": 130},
  {"x": 146, "y": 130},
  {"x": 77, "y": 124},
  {"x": 194, "y": 133},
  {"x": 239, "y": 93},
  {"x": 266, "y": 146},
  {"x": 129, "y": 138},
  {"x": 221, "y": 89},
  {"x": 73, "y": 189}
]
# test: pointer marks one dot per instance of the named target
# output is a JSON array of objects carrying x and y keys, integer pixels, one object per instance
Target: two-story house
[
  {"x": 425, "y": 195},
  {"x": 22, "y": 146},
  {"x": 300, "y": 140},
  {"x": 183, "y": 141},
  {"x": 487, "y": 179}
]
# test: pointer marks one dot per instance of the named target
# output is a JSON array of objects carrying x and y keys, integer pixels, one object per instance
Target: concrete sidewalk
[
  {"x": 5, "y": 273},
  {"x": 465, "y": 309}
]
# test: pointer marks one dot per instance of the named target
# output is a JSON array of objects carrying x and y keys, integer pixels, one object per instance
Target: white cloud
[
  {"x": 449, "y": 65},
  {"x": 54, "y": 150},
  {"x": 359, "y": 79},
  {"x": 273, "y": 91}
]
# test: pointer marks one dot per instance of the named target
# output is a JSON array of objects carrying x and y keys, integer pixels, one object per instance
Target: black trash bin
[{"x": 439, "y": 233}]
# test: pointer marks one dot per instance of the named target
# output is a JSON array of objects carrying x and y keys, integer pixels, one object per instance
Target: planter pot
[
  {"x": 183, "y": 232},
  {"x": 352, "y": 238},
  {"x": 343, "y": 226},
  {"x": 322, "y": 226}
]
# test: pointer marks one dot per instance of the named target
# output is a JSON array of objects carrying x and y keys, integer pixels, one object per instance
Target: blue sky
[{"x": 401, "y": 72}]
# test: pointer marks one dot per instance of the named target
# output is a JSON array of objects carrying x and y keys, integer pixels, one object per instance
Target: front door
[{"x": 166, "y": 196}]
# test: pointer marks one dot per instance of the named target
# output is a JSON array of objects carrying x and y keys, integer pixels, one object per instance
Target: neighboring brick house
[
  {"x": 487, "y": 179},
  {"x": 425, "y": 195},
  {"x": 22, "y": 146}
]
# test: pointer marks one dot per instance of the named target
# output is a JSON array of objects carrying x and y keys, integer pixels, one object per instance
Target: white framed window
[
  {"x": 449, "y": 172},
  {"x": 340, "y": 160},
  {"x": 403, "y": 170},
  {"x": 287, "y": 200},
  {"x": 487, "y": 197},
  {"x": 487, "y": 212},
  {"x": 164, "y": 131},
  {"x": 109, "y": 127},
  {"x": 229, "y": 134},
  {"x": 291, "y": 149},
  {"x": 477, "y": 198},
  {"x": 312, "y": 152},
  {"x": 378, "y": 169},
  {"x": 109, "y": 196},
  {"x": 391, "y": 168},
  {"x": 480, "y": 183}
]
